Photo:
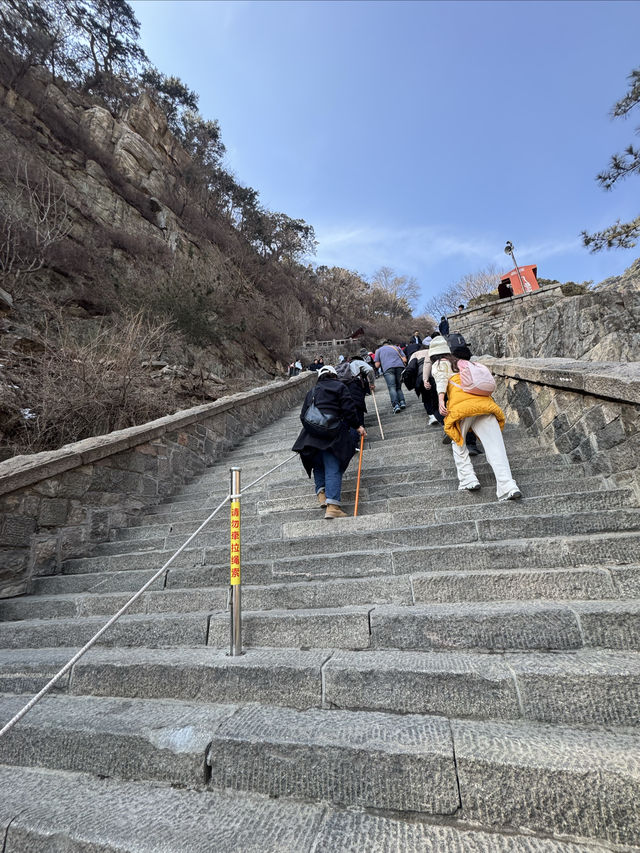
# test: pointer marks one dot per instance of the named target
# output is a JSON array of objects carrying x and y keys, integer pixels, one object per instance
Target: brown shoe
[
  {"x": 334, "y": 511},
  {"x": 322, "y": 498}
]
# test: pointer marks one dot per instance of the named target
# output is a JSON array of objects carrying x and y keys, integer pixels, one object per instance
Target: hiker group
[{"x": 455, "y": 392}]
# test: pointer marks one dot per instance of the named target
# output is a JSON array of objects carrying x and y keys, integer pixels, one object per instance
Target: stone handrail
[
  {"x": 589, "y": 411},
  {"x": 56, "y": 505},
  {"x": 618, "y": 381}
]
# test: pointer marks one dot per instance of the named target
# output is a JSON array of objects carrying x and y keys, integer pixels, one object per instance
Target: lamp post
[{"x": 508, "y": 250}]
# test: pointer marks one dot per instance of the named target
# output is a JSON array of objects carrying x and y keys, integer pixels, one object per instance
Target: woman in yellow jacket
[{"x": 464, "y": 410}]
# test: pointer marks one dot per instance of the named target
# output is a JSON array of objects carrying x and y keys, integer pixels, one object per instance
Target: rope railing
[{"x": 165, "y": 568}]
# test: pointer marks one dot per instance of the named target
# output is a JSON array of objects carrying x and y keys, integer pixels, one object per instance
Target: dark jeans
[{"x": 394, "y": 384}]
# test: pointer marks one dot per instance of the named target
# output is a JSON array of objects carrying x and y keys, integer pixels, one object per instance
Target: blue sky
[{"x": 419, "y": 135}]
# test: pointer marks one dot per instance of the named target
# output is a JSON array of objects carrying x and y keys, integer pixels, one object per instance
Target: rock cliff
[{"x": 602, "y": 324}]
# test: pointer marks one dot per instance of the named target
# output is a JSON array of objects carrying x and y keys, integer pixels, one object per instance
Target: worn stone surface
[
  {"x": 354, "y": 832},
  {"x": 519, "y": 584},
  {"x": 282, "y": 677},
  {"x": 89, "y": 815},
  {"x": 113, "y": 737},
  {"x": 345, "y": 628},
  {"x": 488, "y": 626},
  {"x": 578, "y": 782},
  {"x": 423, "y": 683},
  {"x": 589, "y": 687},
  {"x": 376, "y": 760},
  {"x": 137, "y": 630}
]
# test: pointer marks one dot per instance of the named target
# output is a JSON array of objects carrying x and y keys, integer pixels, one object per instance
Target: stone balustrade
[
  {"x": 587, "y": 410},
  {"x": 55, "y": 505}
]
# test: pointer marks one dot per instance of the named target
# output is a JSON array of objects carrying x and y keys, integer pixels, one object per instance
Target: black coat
[{"x": 332, "y": 398}]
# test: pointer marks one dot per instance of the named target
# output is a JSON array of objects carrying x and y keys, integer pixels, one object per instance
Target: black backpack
[
  {"x": 410, "y": 374},
  {"x": 456, "y": 341}
]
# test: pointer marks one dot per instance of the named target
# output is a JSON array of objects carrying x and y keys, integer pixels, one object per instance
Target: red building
[{"x": 528, "y": 274}]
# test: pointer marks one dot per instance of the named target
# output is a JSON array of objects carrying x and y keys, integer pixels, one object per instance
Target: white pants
[{"x": 487, "y": 428}]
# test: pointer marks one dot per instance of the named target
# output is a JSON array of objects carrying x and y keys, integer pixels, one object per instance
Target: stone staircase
[{"x": 442, "y": 673}]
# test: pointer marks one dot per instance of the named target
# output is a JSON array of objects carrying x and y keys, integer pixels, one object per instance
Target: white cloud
[{"x": 419, "y": 250}]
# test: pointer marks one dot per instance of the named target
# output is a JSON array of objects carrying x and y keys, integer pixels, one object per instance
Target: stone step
[
  {"x": 453, "y": 506},
  {"x": 160, "y": 629},
  {"x": 435, "y": 587},
  {"x": 215, "y": 481},
  {"x": 584, "y": 687},
  {"x": 485, "y": 625},
  {"x": 130, "y": 739},
  {"x": 592, "y": 687},
  {"x": 574, "y": 781},
  {"x": 377, "y": 469},
  {"x": 614, "y": 551},
  {"x": 497, "y": 626},
  {"x": 406, "y": 483},
  {"x": 511, "y": 774},
  {"x": 137, "y": 817},
  {"x": 366, "y": 760},
  {"x": 368, "y": 533}
]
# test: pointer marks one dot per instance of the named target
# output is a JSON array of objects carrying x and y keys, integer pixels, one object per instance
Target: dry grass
[{"x": 78, "y": 388}]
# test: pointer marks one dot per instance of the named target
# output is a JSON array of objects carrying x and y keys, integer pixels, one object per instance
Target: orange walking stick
[{"x": 355, "y": 511}]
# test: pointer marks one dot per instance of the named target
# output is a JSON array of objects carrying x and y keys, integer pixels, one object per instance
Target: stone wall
[
  {"x": 589, "y": 411},
  {"x": 55, "y": 505}
]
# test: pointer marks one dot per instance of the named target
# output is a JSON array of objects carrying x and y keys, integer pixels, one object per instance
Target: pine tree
[{"x": 620, "y": 235}]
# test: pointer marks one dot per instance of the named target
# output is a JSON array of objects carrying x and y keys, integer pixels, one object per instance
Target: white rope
[
  {"x": 105, "y": 627},
  {"x": 126, "y": 606}
]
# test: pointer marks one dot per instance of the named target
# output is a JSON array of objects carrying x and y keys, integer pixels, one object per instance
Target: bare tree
[
  {"x": 34, "y": 215},
  {"x": 470, "y": 286},
  {"x": 399, "y": 287}
]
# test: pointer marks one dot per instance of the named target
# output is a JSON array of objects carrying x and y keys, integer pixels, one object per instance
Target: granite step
[
  {"x": 481, "y": 625},
  {"x": 267, "y": 517},
  {"x": 522, "y": 584},
  {"x": 365, "y": 760},
  {"x": 368, "y": 533},
  {"x": 496, "y": 626},
  {"x": 138, "y": 817},
  {"x": 377, "y": 486},
  {"x": 584, "y": 687}
]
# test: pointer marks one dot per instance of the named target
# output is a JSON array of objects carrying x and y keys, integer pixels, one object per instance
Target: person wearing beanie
[
  {"x": 328, "y": 456},
  {"x": 464, "y": 410}
]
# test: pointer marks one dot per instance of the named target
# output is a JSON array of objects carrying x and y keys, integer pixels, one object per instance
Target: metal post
[
  {"x": 235, "y": 564},
  {"x": 509, "y": 251}
]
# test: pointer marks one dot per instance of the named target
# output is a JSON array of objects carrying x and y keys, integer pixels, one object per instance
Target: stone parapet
[
  {"x": 55, "y": 505},
  {"x": 586, "y": 410}
]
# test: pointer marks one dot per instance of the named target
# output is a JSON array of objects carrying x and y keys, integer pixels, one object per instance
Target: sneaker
[
  {"x": 446, "y": 439},
  {"x": 433, "y": 421},
  {"x": 322, "y": 498},
  {"x": 403, "y": 405},
  {"x": 396, "y": 409},
  {"x": 474, "y": 487},
  {"x": 334, "y": 511},
  {"x": 513, "y": 495}
]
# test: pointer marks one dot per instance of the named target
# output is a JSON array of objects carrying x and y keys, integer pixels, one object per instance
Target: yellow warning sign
[{"x": 235, "y": 543}]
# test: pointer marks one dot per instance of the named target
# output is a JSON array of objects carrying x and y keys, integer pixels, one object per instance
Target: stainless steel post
[{"x": 235, "y": 563}]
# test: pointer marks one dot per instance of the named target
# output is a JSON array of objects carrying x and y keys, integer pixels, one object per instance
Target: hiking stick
[
  {"x": 355, "y": 511},
  {"x": 373, "y": 394}
]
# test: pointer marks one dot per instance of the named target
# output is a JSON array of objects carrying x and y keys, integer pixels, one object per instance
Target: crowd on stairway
[{"x": 455, "y": 392}]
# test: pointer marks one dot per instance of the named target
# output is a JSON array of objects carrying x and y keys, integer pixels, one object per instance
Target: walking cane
[
  {"x": 373, "y": 394},
  {"x": 355, "y": 511}
]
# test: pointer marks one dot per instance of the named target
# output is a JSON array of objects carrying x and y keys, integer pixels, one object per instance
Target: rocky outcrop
[{"x": 600, "y": 325}]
